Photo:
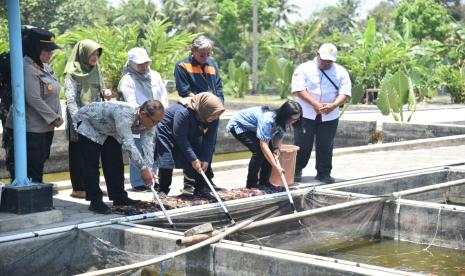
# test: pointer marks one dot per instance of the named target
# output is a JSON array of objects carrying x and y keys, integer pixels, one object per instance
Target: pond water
[{"x": 402, "y": 256}]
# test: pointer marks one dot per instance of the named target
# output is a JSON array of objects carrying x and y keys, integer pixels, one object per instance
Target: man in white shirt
[{"x": 320, "y": 86}]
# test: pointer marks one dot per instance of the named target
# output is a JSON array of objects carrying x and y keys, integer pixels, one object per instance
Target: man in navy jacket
[{"x": 195, "y": 74}]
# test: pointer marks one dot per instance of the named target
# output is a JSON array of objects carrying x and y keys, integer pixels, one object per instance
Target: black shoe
[
  {"x": 202, "y": 192},
  {"x": 99, "y": 207},
  {"x": 265, "y": 186},
  {"x": 141, "y": 188},
  {"x": 325, "y": 178},
  {"x": 188, "y": 189},
  {"x": 125, "y": 202},
  {"x": 252, "y": 186},
  {"x": 298, "y": 175},
  {"x": 218, "y": 189}
]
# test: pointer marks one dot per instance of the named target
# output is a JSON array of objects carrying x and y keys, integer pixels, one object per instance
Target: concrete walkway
[{"x": 349, "y": 163}]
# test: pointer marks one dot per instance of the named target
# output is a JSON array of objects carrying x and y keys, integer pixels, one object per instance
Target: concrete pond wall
[
  {"x": 225, "y": 258},
  {"x": 397, "y": 132},
  {"x": 422, "y": 222}
]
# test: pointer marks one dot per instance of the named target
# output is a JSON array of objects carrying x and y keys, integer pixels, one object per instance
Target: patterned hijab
[
  {"x": 89, "y": 77},
  {"x": 204, "y": 105}
]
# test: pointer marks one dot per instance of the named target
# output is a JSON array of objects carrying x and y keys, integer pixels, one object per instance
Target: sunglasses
[{"x": 205, "y": 54}]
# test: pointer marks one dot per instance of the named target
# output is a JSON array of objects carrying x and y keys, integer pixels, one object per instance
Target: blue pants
[{"x": 134, "y": 172}]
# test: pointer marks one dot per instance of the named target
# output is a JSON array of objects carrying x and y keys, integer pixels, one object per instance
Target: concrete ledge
[
  {"x": 11, "y": 222},
  {"x": 449, "y": 141},
  {"x": 397, "y": 132}
]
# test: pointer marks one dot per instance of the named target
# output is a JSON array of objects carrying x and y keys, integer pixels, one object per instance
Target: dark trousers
[
  {"x": 258, "y": 163},
  {"x": 112, "y": 166},
  {"x": 322, "y": 133},
  {"x": 190, "y": 175},
  {"x": 37, "y": 149},
  {"x": 165, "y": 177},
  {"x": 76, "y": 166}
]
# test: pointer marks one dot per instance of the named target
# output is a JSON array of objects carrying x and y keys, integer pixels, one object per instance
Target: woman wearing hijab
[
  {"x": 43, "y": 110},
  {"x": 139, "y": 84},
  {"x": 262, "y": 130},
  {"x": 83, "y": 85},
  {"x": 185, "y": 139}
]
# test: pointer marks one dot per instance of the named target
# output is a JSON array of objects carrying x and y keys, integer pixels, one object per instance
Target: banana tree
[
  {"x": 357, "y": 93},
  {"x": 373, "y": 57},
  {"x": 280, "y": 71},
  {"x": 396, "y": 92},
  {"x": 238, "y": 78}
]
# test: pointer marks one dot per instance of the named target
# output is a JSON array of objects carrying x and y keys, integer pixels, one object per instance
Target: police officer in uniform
[{"x": 43, "y": 110}]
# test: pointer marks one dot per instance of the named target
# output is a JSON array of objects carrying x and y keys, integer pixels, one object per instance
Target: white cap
[
  {"x": 138, "y": 55},
  {"x": 328, "y": 51}
]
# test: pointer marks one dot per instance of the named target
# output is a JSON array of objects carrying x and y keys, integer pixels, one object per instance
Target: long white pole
[
  {"x": 303, "y": 214},
  {"x": 217, "y": 197},
  {"x": 162, "y": 207},
  {"x": 283, "y": 179},
  {"x": 211, "y": 240},
  {"x": 429, "y": 188}
]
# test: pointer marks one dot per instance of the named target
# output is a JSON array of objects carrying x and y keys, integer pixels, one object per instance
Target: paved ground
[{"x": 346, "y": 167}]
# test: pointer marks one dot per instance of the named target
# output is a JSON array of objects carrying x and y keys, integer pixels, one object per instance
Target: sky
[{"x": 307, "y": 7}]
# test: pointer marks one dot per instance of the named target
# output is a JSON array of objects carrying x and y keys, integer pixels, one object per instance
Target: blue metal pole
[{"x": 17, "y": 83}]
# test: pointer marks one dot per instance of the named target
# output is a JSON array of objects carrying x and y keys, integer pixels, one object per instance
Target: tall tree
[
  {"x": 429, "y": 19},
  {"x": 60, "y": 14},
  {"x": 382, "y": 14},
  {"x": 72, "y": 13},
  {"x": 454, "y": 7},
  {"x": 191, "y": 15},
  {"x": 131, "y": 11},
  {"x": 283, "y": 10},
  {"x": 338, "y": 17}
]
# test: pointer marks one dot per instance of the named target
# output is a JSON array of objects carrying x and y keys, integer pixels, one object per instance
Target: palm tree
[
  {"x": 300, "y": 39},
  {"x": 283, "y": 10},
  {"x": 190, "y": 15},
  {"x": 140, "y": 11}
]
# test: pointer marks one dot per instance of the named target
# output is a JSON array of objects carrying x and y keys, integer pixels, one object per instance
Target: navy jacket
[
  {"x": 191, "y": 76},
  {"x": 181, "y": 138}
]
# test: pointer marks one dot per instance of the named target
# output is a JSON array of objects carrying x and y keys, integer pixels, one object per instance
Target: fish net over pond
[
  {"x": 69, "y": 253},
  {"x": 321, "y": 232}
]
